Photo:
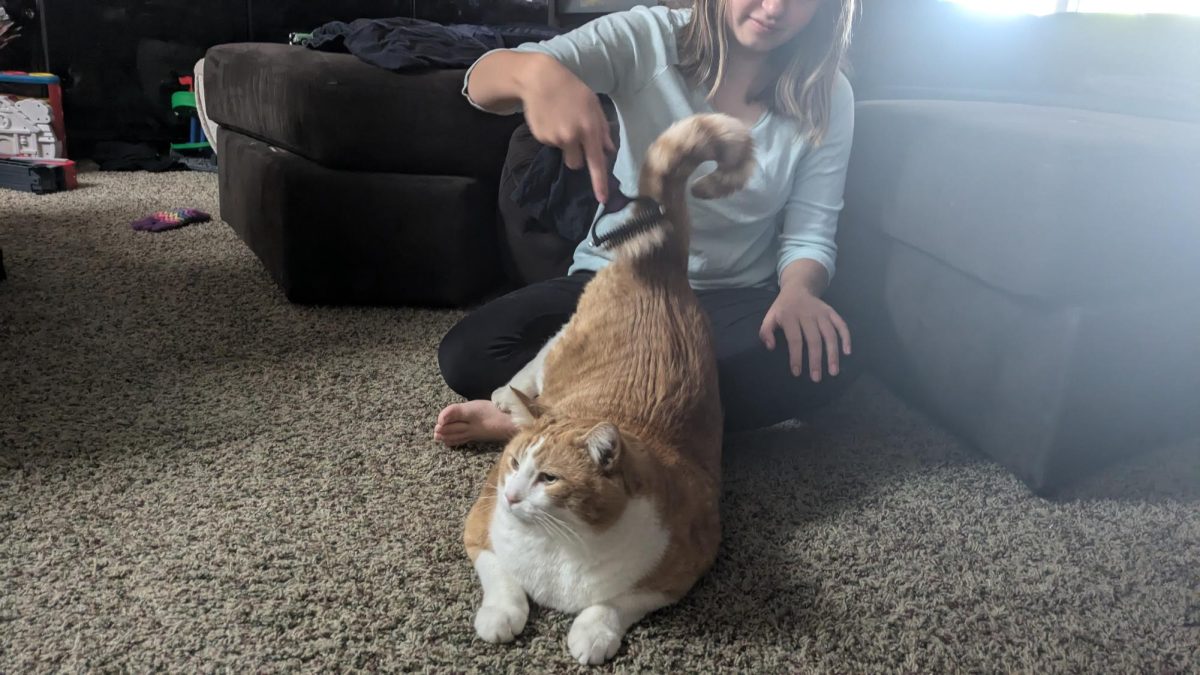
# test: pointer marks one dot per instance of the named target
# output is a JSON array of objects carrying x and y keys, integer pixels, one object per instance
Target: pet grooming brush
[{"x": 646, "y": 214}]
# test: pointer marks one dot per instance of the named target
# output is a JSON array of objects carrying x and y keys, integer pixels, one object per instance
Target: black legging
[{"x": 489, "y": 346}]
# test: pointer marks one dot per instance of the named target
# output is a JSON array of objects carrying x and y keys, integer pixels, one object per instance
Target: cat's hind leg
[
  {"x": 528, "y": 380},
  {"x": 502, "y": 615},
  {"x": 597, "y": 632}
]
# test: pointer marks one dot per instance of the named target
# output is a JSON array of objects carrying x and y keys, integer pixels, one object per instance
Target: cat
[{"x": 605, "y": 503}]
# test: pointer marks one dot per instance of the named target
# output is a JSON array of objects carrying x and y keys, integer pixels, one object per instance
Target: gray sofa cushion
[
  {"x": 1043, "y": 202},
  {"x": 352, "y": 237},
  {"x": 344, "y": 114},
  {"x": 1028, "y": 276}
]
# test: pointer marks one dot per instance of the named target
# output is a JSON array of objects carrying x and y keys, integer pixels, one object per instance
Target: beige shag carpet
[{"x": 196, "y": 475}]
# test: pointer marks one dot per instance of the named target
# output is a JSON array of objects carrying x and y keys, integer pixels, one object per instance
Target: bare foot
[{"x": 473, "y": 421}]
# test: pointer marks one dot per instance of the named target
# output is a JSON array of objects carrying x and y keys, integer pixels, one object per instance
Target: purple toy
[{"x": 169, "y": 220}]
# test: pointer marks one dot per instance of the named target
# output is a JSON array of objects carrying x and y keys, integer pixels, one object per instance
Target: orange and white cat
[{"x": 605, "y": 503}]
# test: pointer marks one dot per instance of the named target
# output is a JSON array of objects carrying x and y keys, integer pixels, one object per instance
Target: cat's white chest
[{"x": 569, "y": 573}]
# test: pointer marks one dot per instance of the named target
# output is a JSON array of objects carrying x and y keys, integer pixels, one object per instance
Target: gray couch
[{"x": 1020, "y": 248}]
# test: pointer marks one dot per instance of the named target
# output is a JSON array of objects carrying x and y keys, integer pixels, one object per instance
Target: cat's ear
[
  {"x": 604, "y": 445},
  {"x": 525, "y": 410}
]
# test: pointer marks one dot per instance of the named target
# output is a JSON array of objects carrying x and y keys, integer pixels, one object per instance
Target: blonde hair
[{"x": 808, "y": 66}]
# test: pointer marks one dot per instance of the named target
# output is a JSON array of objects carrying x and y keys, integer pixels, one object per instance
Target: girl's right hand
[{"x": 563, "y": 112}]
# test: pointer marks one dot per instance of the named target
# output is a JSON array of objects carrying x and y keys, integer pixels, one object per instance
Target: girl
[{"x": 760, "y": 258}]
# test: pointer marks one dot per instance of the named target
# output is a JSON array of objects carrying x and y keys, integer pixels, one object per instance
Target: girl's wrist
[{"x": 803, "y": 276}]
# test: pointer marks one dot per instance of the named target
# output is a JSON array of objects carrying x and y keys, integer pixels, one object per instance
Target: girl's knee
[{"x": 458, "y": 361}]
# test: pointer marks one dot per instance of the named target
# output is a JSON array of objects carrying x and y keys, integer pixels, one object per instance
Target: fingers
[
  {"x": 597, "y": 163},
  {"x": 819, "y": 338},
  {"x": 573, "y": 156},
  {"x": 766, "y": 332},
  {"x": 816, "y": 350},
  {"x": 830, "y": 337},
  {"x": 822, "y": 333},
  {"x": 590, "y": 152},
  {"x": 795, "y": 340},
  {"x": 843, "y": 331},
  {"x": 572, "y": 120}
]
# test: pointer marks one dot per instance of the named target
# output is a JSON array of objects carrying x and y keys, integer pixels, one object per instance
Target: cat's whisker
[
  {"x": 568, "y": 530},
  {"x": 548, "y": 523}
]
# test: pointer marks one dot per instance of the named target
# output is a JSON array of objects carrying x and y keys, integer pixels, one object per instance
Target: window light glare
[
  {"x": 1043, "y": 7},
  {"x": 1010, "y": 7}
]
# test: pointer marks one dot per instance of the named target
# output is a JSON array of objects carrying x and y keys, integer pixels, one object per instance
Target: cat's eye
[
  {"x": 515, "y": 464},
  {"x": 547, "y": 478}
]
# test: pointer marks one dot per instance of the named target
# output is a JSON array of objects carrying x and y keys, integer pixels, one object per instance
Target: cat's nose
[{"x": 511, "y": 497}]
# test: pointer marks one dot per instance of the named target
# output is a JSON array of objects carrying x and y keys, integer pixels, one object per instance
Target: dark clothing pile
[{"x": 402, "y": 44}]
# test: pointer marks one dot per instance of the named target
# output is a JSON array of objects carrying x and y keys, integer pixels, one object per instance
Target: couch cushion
[
  {"x": 345, "y": 114},
  {"x": 1051, "y": 391},
  {"x": 355, "y": 237},
  {"x": 1051, "y": 203}
]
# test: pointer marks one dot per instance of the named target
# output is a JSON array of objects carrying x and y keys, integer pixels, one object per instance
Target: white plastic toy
[{"x": 25, "y": 128}]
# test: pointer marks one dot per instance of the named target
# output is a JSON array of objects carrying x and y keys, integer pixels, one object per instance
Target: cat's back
[{"x": 639, "y": 354}]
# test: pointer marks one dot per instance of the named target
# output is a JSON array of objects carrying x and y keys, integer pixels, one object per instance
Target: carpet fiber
[{"x": 197, "y": 475}]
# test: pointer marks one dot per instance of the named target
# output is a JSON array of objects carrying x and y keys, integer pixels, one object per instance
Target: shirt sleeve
[
  {"x": 810, "y": 216},
  {"x": 618, "y": 51}
]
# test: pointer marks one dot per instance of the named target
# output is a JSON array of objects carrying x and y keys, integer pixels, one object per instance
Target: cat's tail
[
  {"x": 669, "y": 164},
  {"x": 680, "y": 149}
]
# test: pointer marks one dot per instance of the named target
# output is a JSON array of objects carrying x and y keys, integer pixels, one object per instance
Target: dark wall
[
  {"x": 120, "y": 59},
  {"x": 24, "y": 53}
]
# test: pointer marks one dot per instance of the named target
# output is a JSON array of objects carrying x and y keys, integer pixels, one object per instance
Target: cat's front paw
[
  {"x": 501, "y": 622},
  {"x": 504, "y": 399},
  {"x": 595, "y": 636}
]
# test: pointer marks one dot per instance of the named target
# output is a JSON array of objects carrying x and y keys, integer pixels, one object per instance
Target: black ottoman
[{"x": 355, "y": 185}]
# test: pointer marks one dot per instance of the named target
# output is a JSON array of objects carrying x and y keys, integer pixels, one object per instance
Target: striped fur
[{"x": 669, "y": 164}]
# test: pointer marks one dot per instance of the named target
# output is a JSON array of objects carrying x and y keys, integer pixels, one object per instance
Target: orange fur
[{"x": 638, "y": 355}]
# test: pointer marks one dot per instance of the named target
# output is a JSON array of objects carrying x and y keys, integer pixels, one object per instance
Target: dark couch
[
  {"x": 1020, "y": 248},
  {"x": 354, "y": 184}
]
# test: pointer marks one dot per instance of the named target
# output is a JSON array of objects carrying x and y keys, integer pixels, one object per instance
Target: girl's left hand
[{"x": 806, "y": 321}]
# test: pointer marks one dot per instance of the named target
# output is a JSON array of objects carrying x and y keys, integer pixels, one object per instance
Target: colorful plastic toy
[
  {"x": 183, "y": 103},
  {"x": 31, "y": 115},
  {"x": 169, "y": 220}
]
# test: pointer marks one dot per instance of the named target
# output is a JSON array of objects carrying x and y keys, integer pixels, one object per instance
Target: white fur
[
  {"x": 505, "y": 608},
  {"x": 596, "y": 633},
  {"x": 522, "y": 483},
  {"x": 573, "y": 572},
  {"x": 529, "y": 380},
  {"x": 593, "y": 574}
]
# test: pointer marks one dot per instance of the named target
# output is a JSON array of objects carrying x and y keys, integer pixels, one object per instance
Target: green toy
[{"x": 183, "y": 104}]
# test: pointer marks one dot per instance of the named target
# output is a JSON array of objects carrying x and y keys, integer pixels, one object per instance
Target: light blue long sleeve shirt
[{"x": 789, "y": 209}]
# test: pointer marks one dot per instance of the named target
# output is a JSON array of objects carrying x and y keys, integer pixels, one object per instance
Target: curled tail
[
  {"x": 659, "y": 219},
  {"x": 681, "y": 148}
]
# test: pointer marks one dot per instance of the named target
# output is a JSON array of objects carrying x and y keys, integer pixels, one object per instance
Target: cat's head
[{"x": 563, "y": 468}]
